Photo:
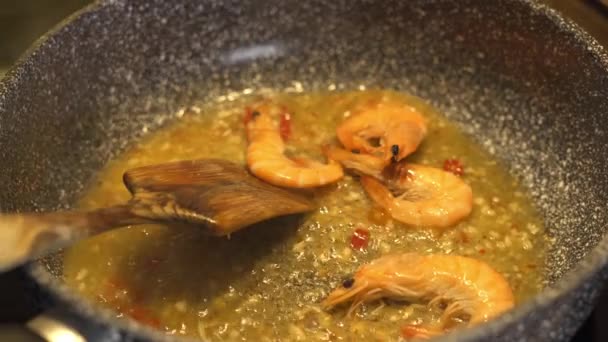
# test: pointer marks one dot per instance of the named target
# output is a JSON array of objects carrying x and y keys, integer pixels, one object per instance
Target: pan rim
[{"x": 586, "y": 268}]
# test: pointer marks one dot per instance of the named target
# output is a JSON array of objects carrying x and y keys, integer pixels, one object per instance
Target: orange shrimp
[
  {"x": 266, "y": 159},
  {"x": 364, "y": 164},
  {"x": 421, "y": 195},
  {"x": 396, "y": 128},
  {"x": 471, "y": 287}
]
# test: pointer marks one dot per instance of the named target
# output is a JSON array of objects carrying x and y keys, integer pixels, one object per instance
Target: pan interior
[{"x": 533, "y": 94}]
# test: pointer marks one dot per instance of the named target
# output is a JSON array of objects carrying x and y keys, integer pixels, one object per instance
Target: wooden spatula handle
[{"x": 26, "y": 236}]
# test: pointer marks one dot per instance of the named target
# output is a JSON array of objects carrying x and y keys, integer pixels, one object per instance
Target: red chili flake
[
  {"x": 482, "y": 251},
  {"x": 285, "y": 126},
  {"x": 360, "y": 239},
  {"x": 454, "y": 166},
  {"x": 143, "y": 315}
]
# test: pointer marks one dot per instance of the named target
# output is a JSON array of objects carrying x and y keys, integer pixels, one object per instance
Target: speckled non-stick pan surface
[{"x": 531, "y": 87}]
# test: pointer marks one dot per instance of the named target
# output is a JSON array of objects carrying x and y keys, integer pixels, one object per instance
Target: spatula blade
[{"x": 218, "y": 194}]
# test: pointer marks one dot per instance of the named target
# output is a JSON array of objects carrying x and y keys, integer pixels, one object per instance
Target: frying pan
[{"x": 527, "y": 84}]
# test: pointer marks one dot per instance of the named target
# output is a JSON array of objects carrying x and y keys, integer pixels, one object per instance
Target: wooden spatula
[{"x": 216, "y": 195}]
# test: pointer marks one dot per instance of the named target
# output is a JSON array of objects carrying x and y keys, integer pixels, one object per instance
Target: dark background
[{"x": 23, "y": 21}]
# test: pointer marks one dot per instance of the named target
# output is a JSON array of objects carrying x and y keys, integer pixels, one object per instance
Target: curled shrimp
[
  {"x": 363, "y": 164},
  {"x": 267, "y": 161},
  {"x": 471, "y": 287},
  {"x": 421, "y": 195},
  {"x": 389, "y": 129}
]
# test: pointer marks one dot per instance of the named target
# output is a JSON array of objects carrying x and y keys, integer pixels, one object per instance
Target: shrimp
[
  {"x": 266, "y": 159},
  {"x": 421, "y": 195},
  {"x": 471, "y": 287},
  {"x": 364, "y": 164},
  {"x": 390, "y": 130}
]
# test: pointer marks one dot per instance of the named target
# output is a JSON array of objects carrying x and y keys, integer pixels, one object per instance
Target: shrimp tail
[
  {"x": 364, "y": 164},
  {"x": 378, "y": 192}
]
